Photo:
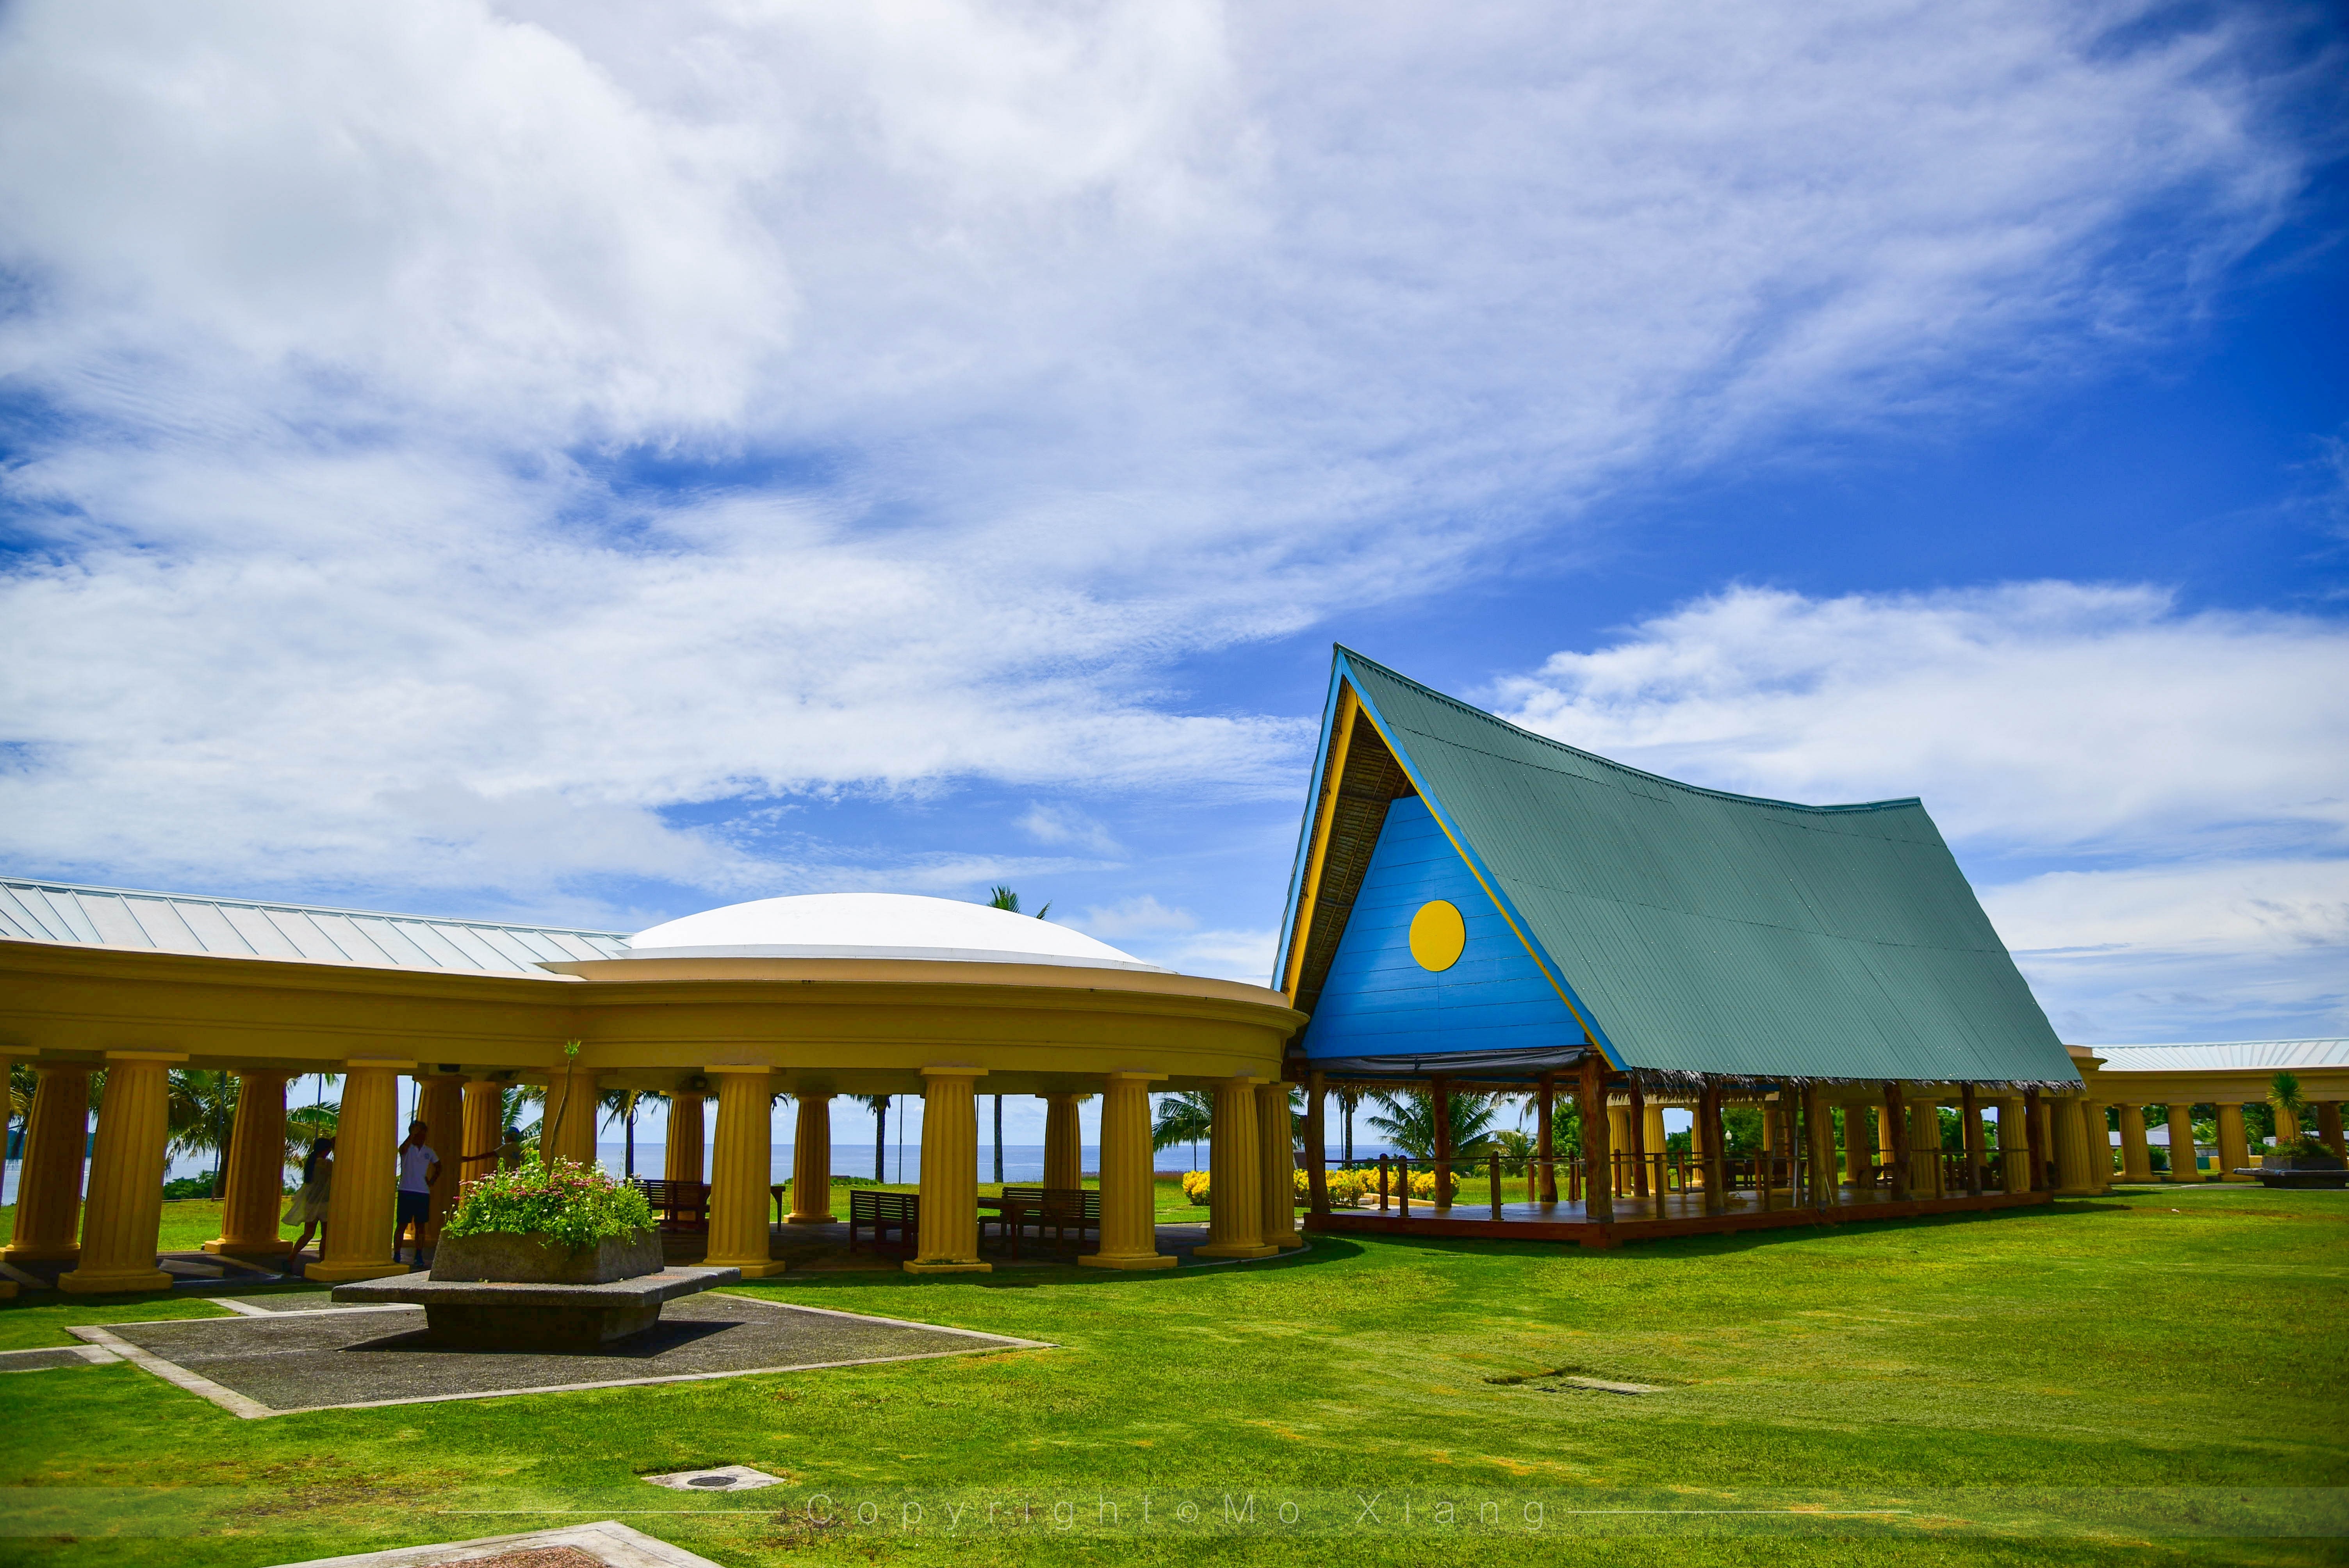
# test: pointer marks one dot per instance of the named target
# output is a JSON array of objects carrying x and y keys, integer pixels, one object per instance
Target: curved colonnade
[{"x": 739, "y": 1030}]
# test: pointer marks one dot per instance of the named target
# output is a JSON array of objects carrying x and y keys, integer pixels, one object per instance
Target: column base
[
  {"x": 344, "y": 1273},
  {"x": 2077, "y": 1191},
  {"x": 223, "y": 1247},
  {"x": 811, "y": 1219},
  {"x": 91, "y": 1281},
  {"x": 1128, "y": 1261},
  {"x": 752, "y": 1268},
  {"x": 1288, "y": 1241},
  {"x": 1236, "y": 1250},
  {"x": 943, "y": 1265},
  {"x": 63, "y": 1252}
]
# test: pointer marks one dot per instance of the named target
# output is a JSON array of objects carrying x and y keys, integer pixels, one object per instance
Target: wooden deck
[{"x": 1646, "y": 1219}]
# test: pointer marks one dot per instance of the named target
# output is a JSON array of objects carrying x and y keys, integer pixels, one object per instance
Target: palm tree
[
  {"x": 1347, "y": 1099},
  {"x": 621, "y": 1105},
  {"x": 878, "y": 1104},
  {"x": 1411, "y": 1124},
  {"x": 1001, "y": 897},
  {"x": 304, "y": 1125},
  {"x": 1184, "y": 1117},
  {"x": 199, "y": 1109}
]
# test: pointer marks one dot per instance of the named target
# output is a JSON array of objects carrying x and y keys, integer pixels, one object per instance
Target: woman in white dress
[{"x": 308, "y": 1209}]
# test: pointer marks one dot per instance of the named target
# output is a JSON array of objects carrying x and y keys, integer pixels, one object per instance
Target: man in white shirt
[{"x": 419, "y": 1168}]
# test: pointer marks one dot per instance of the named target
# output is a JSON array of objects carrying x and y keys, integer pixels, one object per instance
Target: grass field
[{"x": 2166, "y": 1361}]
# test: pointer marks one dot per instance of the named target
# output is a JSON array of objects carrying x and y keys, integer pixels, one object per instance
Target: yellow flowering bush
[{"x": 1194, "y": 1187}]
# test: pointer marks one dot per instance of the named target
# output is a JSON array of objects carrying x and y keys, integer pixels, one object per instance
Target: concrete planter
[{"x": 515, "y": 1257}]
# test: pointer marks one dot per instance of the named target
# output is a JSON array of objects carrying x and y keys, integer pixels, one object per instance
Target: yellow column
[
  {"x": 125, "y": 1214},
  {"x": 357, "y": 1244},
  {"x": 1818, "y": 1142},
  {"x": 1235, "y": 1166},
  {"x": 256, "y": 1170},
  {"x": 48, "y": 1188},
  {"x": 7, "y": 1119},
  {"x": 949, "y": 1239},
  {"x": 2183, "y": 1165},
  {"x": 1129, "y": 1228},
  {"x": 1653, "y": 1124},
  {"x": 682, "y": 1161},
  {"x": 2096, "y": 1142},
  {"x": 1619, "y": 1141},
  {"x": 2234, "y": 1147},
  {"x": 741, "y": 1170},
  {"x": 483, "y": 1131},
  {"x": 2014, "y": 1144},
  {"x": 1858, "y": 1147},
  {"x": 1884, "y": 1142},
  {"x": 568, "y": 1129},
  {"x": 2137, "y": 1159},
  {"x": 1925, "y": 1149},
  {"x": 1064, "y": 1153},
  {"x": 812, "y": 1162},
  {"x": 442, "y": 1109},
  {"x": 2328, "y": 1126},
  {"x": 2073, "y": 1177},
  {"x": 1276, "y": 1143}
]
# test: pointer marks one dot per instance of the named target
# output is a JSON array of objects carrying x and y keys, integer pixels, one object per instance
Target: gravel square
[{"x": 274, "y": 1364}]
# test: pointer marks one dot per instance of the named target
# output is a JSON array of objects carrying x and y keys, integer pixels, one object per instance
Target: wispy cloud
[
  {"x": 451, "y": 439},
  {"x": 2140, "y": 791}
]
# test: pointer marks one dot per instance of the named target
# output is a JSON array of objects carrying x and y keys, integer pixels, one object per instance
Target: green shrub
[{"x": 572, "y": 1205}]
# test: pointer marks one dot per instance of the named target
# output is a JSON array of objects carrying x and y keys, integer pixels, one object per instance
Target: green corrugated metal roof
[{"x": 1702, "y": 932}]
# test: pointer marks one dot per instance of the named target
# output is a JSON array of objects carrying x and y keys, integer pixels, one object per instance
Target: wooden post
[
  {"x": 1970, "y": 1123},
  {"x": 1896, "y": 1117},
  {"x": 1706, "y": 1135},
  {"x": 1439, "y": 1091},
  {"x": 1316, "y": 1146},
  {"x": 1548, "y": 1142},
  {"x": 1382, "y": 1184},
  {"x": 1403, "y": 1186},
  {"x": 1637, "y": 1128},
  {"x": 2035, "y": 1139},
  {"x": 1597, "y": 1177},
  {"x": 1496, "y": 1187},
  {"x": 1819, "y": 1144}
]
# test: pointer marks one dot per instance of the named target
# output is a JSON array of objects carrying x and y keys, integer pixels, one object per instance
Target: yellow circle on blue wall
[{"x": 1438, "y": 936}]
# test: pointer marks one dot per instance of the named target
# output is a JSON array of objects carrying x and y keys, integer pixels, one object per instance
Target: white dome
[{"x": 876, "y": 925}]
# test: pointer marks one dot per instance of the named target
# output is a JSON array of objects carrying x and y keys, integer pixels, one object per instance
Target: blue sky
[{"x": 571, "y": 464}]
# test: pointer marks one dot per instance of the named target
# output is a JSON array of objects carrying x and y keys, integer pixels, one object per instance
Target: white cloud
[
  {"x": 577, "y": 412},
  {"x": 1066, "y": 825},
  {"x": 2182, "y": 772},
  {"x": 1141, "y": 915}
]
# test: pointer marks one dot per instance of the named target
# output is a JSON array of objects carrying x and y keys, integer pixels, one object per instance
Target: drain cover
[{"x": 727, "y": 1478}]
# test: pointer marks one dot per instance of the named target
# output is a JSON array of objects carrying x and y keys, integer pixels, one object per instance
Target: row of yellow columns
[{"x": 113, "y": 1238}]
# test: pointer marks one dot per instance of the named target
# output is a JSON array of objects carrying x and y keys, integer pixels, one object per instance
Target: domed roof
[{"x": 876, "y": 925}]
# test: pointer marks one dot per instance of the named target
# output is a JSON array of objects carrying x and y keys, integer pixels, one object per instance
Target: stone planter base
[
  {"x": 2300, "y": 1178},
  {"x": 497, "y": 1315}
]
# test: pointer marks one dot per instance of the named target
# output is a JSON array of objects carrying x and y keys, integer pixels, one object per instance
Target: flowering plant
[{"x": 574, "y": 1205}]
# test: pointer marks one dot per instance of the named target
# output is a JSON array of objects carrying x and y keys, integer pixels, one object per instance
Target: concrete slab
[
  {"x": 609, "y": 1542},
  {"x": 42, "y": 1360},
  {"x": 725, "y": 1478},
  {"x": 268, "y": 1366}
]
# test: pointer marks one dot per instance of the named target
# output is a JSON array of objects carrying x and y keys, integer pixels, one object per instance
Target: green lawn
[{"x": 2167, "y": 1360}]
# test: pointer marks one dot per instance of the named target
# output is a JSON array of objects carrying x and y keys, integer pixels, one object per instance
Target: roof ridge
[
  {"x": 1474, "y": 712},
  {"x": 58, "y": 885}
]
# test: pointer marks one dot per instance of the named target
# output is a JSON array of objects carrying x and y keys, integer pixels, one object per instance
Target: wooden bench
[
  {"x": 677, "y": 1205},
  {"x": 880, "y": 1212},
  {"x": 1059, "y": 1210}
]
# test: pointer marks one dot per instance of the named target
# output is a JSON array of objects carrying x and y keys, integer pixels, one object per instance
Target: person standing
[
  {"x": 419, "y": 1168},
  {"x": 308, "y": 1209}
]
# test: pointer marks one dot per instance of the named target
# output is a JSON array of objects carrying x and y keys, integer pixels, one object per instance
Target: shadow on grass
[{"x": 1320, "y": 1252}]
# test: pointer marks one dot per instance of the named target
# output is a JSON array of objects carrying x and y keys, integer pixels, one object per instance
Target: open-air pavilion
[{"x": 1476, "y": 908}]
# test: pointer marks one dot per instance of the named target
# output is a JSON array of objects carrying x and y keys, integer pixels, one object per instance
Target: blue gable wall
[{"x": 1379, "y": 1002}]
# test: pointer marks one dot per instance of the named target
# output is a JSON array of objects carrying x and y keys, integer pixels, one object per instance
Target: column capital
[
  {"x": 953, "y": 1070},
  {"x": 146, "y": 1055}
]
